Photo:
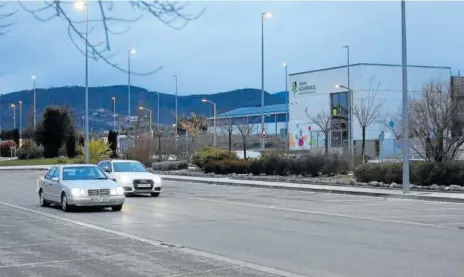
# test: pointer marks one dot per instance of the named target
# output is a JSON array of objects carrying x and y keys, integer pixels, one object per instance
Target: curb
[
  {"x": 23, "y": 168},
  {"x": 337, "y": 191}
]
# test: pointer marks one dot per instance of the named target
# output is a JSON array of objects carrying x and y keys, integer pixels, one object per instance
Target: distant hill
[{"x": 101, "y": 107}]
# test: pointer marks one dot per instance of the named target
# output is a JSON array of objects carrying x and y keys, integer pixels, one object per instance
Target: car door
[
  {"x": 55, "y": 189},
  {"x": 46, "y": 184}
]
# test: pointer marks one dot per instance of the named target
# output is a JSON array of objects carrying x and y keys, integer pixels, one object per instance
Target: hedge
[
  {"x": 421, "y": 173},
  {"x": 212, "y": 154},
  {"x": 311, "y": 165},
  {"x": 169, "y": 165}
]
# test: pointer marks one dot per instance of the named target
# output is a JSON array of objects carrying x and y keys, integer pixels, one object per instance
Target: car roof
[
  {"x": 76, "y": 165},
  {"x": 121, "y": 161}
]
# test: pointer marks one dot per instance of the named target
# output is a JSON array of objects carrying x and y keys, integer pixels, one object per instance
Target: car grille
[
  {"x": 98, "y": 192},
  {"x": 142, "y": 184}
]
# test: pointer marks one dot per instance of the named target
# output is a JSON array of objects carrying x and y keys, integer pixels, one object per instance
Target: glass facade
[{"x": 339, "y": 115}]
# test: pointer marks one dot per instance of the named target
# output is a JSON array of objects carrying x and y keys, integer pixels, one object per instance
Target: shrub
[
  {"x": 212, "y": 154},
  {"x": 169, "y": 165},
  {"x": 62, "y": 160},
  {"x": 98, "y": 150},
  {"x": 276, "y": 165},
  {"x": 5, "y": 148},
  {"x": 422, "y": 173},
  {"x": 30, "y": 152},
  {"x": 227, "y": 166}
]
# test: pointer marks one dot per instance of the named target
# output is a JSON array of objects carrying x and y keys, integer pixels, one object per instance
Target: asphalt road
[{"x": 274, "y": 231}]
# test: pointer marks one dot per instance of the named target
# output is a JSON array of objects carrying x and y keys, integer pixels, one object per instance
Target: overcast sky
[{"x": 221, "y": 51}]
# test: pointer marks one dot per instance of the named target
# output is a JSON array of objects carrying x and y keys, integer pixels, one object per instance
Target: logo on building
[
  {"x": 302, "y": 88},
  {"x": 294, "y": 87}
]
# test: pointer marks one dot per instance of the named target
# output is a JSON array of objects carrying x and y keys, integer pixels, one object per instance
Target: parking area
[{"x": 278, "y": 232}]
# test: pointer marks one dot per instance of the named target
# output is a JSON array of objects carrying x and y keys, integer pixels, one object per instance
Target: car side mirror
[
  {"x": 55, "y": 179},
  {"x": 107, "y": 169}
]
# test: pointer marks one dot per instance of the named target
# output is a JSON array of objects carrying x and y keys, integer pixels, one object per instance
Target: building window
[{"x": 339, "y": 117}]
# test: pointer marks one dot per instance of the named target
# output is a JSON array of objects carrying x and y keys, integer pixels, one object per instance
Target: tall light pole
[
  {"x": 83, "y": 122},
  {"x": 263, "y": 16},
  {"x": 214, "y": 118},
  {"x": 175, "y": 129},
  {"x": 158, "y": 110},
  {"x": 14, "y": 115},
  {"x": 83, "y": 6},
  {"x": 35, "y": 105},
  {"x": 113, "y": 99},
  {"x": 129, "y": 53},
  {"x": 20, "y": 118},
  {"x": 284, "y": 64},
  {"x": 143, "y": 108},
  {"x": 405, "y": 99},
  {"x": 350, "y": 104}
]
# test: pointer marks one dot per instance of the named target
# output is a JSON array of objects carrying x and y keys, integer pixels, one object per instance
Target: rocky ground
[{"x": 339, "y": 180}]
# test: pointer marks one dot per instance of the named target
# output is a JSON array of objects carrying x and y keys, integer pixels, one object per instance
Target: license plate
[
  {"x": 100, "y": 199},
  {"x": 143, "y": 185}
]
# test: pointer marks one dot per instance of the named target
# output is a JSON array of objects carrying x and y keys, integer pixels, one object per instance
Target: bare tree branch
[
  {"x": 167, "y": 12},
  {"x": 245, "y": 131},
  {"x": 323, "y": 121}
]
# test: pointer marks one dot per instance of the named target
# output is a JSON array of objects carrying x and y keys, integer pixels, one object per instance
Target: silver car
[
  {"x": 133, "y": 176},
  {"x": 79, "y": 185}
]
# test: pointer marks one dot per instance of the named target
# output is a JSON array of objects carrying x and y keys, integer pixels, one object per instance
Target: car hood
[
  {"x": 135, "y": 175},
  {"x": 92, "y": 184}
]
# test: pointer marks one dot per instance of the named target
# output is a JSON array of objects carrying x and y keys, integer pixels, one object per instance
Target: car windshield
[
  {"x": 83, "y": 173},
  {"x": 129, "y": 167}
]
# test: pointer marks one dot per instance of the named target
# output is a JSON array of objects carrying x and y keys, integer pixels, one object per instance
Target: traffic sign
[
  {"x": 391, "y": 124},
  {"x": 263, "y": 133}
]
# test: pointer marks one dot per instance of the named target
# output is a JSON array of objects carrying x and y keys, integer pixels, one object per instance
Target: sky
[{"x": 221, "y": 50}]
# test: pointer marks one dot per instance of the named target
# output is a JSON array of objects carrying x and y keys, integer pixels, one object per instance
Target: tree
[
  {"x": 367, "y": 113},
  {"x": 228, "y": 129},
  {"x": 322, "y": 120},
  {"x": 16, "y": 137},
  {"x": 113, "y": 142},
  {"x": 71, "y": 150},
  {"x": 158, "y": 131},
  {"x": 193, "y": 125},
  {"x": 245, "y": 131},
  {"x": 105, "y": 16},
  {"x": 53, "y": 130},
  {"x": 435, "y": 121},
  {"x": 98, "y": 150}
]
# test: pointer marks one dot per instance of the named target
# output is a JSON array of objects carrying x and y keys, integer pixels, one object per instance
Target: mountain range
[{"x": 101, "y": 104}]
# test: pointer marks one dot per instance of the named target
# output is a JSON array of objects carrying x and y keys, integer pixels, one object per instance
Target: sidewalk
[{"x": 378, "y": 192}]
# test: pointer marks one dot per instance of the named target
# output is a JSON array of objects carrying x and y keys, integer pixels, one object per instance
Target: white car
[{"x": 133, "y": 176}]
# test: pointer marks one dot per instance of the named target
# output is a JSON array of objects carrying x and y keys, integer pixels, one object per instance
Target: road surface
[{"x": 247, "y": 231}]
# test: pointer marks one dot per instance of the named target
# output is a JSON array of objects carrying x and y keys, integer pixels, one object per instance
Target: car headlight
[
  {"x": 117, "y": 191},
  {"x": 157, "y": 180},
  {"x": 125, "y": 179},
  {"x": 78, "y": 192}
]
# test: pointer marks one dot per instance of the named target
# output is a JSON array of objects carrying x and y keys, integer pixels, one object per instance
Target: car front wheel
[
  {"x": 43, "y": 202},
  {"x": 64, "y": 203},
  {"x": 116, "y": 208}
]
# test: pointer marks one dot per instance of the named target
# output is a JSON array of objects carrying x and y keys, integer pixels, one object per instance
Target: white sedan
[{"x": 133, "y": 176}]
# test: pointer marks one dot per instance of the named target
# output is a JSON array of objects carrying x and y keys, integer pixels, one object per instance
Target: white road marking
[
  {"x": 321, "y": 213},
  {"x": 54, "y": 241},
  {"x": 159, "y": 244},
  {"x": 59, "y": 261}
]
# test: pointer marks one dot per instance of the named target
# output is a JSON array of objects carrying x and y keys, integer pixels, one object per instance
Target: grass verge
[{"x": 50, "y": 161}]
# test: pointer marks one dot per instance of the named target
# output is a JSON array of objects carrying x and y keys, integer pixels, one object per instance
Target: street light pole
[
  {"x": 175, "y": 129},
  {"x": 35, "y": 108},
  {"x": 131, "y": 51},
  {"x": 158, "y": 110},
  {"x": 14, "y": 115},
  {"x": 350, "y": 104},
  {"x": 405, "y": 100},
  {"x": 114, "y": 112},
  {"x": 214, "y": 118},
  {"x": 286, "y": 105},
  {"x": 83, "y": 6},
  {"x": 263, "y": 15},
  {"x": 20, "y": 119}
]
